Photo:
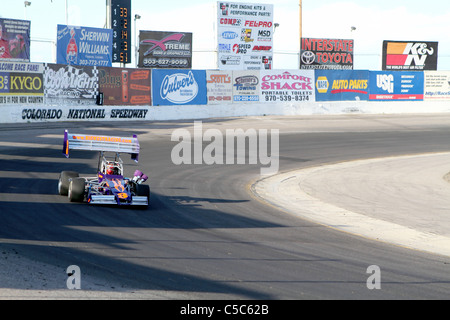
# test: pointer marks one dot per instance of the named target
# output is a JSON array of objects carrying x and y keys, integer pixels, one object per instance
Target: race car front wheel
[
  {"x": 76, "y": 190},
  {"x": 64, "y": 179}
]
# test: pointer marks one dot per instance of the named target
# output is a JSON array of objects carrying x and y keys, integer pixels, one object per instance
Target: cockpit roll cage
[{"x": 116, "y": 164}]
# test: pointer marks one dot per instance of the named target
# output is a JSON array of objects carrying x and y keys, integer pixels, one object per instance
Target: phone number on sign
[
  {"x": 92, "y": 63},
  {"x": 286, "y": 98},
  {"x": 151, "y": 62}
]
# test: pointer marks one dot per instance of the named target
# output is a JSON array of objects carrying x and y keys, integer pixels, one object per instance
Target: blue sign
[
  {"x": 342, "y": 85},
  {"x": 396, "y": 85},
  {"x": 83, "y": 46},
  {"x": 178, "y": 87}
]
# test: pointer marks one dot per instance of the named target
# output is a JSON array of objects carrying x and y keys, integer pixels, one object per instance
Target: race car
[{"x": 109, "y": 186}]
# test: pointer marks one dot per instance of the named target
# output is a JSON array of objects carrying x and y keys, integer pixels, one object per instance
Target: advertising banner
[
  {"x": 328, "y": 54},
  {"x": 287, "y": 86},
  {"x": 162, "y": 49},
  {"x": 65, "y": 84},
  {"x": 395, "y": 85},
  {"x": 245, "y": 36},
  {"x": 15, "y": 39},
  {"x": 437, "y": 85},
  {"x": 342, "y": 85},
  {"x": 83, "y": 46},
  {"x": 123, "y": 87},
  {"x": 178, "y": 87},
  {"x": 21, "y": 83},
  {"x": 410, "y": 55},
  {"x": 246, "y": 86},
  {"x": 219, "y": 86}
]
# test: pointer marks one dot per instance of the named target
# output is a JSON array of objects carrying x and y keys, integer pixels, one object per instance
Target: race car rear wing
[{"x": 101, "y": 143}]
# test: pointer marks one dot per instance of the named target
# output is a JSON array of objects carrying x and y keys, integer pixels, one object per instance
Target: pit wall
[{"x": 31, "y": 92}]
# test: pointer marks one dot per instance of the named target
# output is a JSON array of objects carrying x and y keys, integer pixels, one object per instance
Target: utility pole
[
  {"x": 300, "y": 29},
  {"x": 300, "y": 33}
]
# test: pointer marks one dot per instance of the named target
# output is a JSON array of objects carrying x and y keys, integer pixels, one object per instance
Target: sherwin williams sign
[
  {"x": 84, "y": 46},
  {"x": 396, "y": 85},
  {"x": 178, "y": 87},
  {"x": 342, "y": 85},
  {"x": 410, "y": 55}
]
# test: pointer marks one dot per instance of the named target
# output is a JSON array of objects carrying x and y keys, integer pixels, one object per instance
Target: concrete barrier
[{"x": 30, "y": 114}]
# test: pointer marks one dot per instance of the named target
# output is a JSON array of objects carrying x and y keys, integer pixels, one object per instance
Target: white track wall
[{"x": 25, "y": 114}]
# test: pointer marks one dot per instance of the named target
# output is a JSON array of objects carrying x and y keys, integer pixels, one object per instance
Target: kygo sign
[{"x": 245, "y": 36}]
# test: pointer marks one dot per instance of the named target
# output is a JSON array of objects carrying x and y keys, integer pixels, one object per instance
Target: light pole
[
  {"x": 67, "y": 13},
  {"x": 27, "y": 4},
  {"x": 136, "y": 44}
]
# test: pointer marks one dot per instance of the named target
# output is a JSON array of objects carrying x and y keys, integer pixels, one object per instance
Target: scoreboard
[{"x": 121, "y": 26}]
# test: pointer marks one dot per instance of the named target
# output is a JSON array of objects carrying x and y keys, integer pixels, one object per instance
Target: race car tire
[
  {"x": 64, "y": 179},
  {"x": 76, "y": 190},
  {"x": 143, "y": 190}
]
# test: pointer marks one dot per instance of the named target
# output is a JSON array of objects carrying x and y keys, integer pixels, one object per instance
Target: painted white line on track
[{"x": 291, "y": 192}]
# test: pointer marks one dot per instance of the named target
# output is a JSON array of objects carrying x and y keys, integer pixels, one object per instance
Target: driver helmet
[{"x": 109, "y": 170}]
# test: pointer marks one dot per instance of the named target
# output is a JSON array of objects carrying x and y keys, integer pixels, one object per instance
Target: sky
[{"x": 373, "y": 22}]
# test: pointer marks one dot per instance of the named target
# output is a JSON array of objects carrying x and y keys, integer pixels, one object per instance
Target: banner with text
[
  {"x": 245, "y": 36},
  {"x": 342, "y": 85},
  {"x": 124, "y": 87},
  {"x": 437, "y": 85},
  {"x": 409, "y": 55},
  {"x": 178, "y": 87},
  {"x": 163, "y": 49},
  {"x": 328, "y": 54},
  {"x": 219, "y": 86},
  {"x": 396, "y": 85},
  {"x": 83, "y": 46},
  {"x": 71, "y": 85},
  {"x": 246, "y": 86},
  {"x": 15, "y": 39},
  {"x": 287, "y": 86},
  {"x": 21, "y": 83}
]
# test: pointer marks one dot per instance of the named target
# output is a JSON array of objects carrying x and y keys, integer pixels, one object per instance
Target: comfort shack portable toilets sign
[{"x": 178, "y": 87}]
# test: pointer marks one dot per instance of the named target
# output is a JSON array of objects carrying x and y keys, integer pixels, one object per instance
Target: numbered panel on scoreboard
[{"x": 121, "y": 26}]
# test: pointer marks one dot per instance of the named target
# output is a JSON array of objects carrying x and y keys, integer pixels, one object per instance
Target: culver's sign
[{"x": 178, "y": 87}]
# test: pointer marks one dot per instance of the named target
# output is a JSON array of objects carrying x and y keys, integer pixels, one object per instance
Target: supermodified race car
[{"x": 109, "y": 186}]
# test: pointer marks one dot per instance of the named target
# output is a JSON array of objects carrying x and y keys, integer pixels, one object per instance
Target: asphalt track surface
[{"x": 206, "y": 235}]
